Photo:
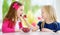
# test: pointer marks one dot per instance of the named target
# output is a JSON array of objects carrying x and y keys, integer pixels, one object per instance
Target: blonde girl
[{"x": 50, "y": 23}]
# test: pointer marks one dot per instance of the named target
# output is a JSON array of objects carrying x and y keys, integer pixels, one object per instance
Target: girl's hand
[
  {"x": 46, "y": 30},
  {"x": 58, "y": 32},
  {"x": 35, "y": 28}
]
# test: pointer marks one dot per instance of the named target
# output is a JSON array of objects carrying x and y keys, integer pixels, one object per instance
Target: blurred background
[{"x": 32, "y": 8}]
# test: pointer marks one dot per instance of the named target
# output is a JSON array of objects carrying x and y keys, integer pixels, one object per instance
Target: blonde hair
[{"x": 50, "y": 12}]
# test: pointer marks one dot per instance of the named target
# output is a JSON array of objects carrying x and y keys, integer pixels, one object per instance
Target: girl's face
[
  {"x": 20, "y": 11},
  {"x": 44, "y": 14}
]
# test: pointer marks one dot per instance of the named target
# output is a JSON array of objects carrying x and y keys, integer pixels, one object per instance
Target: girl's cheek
[
  {"x": 21, "y": 13},
  {"x": 43, "y": 16},
  {"x": 18, "y": 15}
]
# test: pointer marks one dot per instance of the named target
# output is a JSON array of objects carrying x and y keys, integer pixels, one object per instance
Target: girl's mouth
[{"x": 21, "y": 15}]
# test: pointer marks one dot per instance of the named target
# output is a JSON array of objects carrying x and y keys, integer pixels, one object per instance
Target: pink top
[{"x": 8, "y": 26}]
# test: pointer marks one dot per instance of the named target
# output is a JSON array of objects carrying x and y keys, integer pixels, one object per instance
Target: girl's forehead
[
  {"x": 21, "y": 7},
  {"x": 43, "y": 10}
]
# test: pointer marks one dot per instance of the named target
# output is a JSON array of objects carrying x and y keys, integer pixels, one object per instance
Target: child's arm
[
  {"x": 25, "y": 21},
  {"x": 46, "y": 30},
  {"x": 34, "y": 28},
  {"x": 58, "y": 31},
  {"x": 5, "y": 28}
]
